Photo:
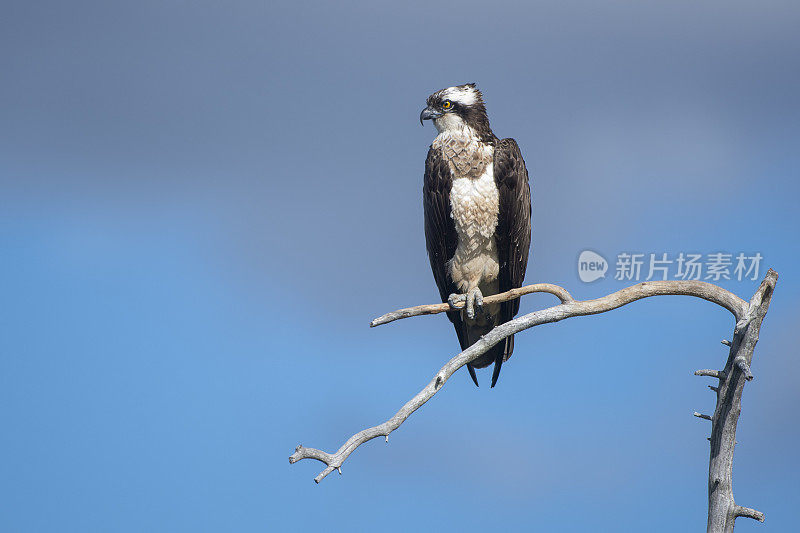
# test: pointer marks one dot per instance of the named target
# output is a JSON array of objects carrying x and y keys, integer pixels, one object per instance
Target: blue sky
[{"x": 204, "y": 204}]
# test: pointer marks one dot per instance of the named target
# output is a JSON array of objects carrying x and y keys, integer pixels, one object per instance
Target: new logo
[{"x": 591, "y": 266}]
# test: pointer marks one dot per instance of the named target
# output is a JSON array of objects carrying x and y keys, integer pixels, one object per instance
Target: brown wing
[
  {"x": 441, "y": 238},
  {"x": 513, "y": 234}
]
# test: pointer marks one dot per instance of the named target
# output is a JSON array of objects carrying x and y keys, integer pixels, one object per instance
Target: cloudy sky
[{"x": 204, "y": 204}]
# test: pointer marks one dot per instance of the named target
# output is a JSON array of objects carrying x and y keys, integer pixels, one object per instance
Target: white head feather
[{"x": 463, "y": 94}]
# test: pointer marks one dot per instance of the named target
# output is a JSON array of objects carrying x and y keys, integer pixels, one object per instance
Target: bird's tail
[
  {"x": 508, "y": 349},
  {"x": 497, "y": 354}
]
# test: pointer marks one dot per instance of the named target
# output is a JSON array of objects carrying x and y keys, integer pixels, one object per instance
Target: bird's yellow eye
[{"x": 447, "y": 104}]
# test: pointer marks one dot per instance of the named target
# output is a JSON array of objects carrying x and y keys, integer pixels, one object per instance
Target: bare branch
[
  {"x": 433, "y": 309},
  {"x": 709, "y": 373},
  {"x": 749, "y": 513},
  {"x": 567, "y": 309},
  {"x": 722, "y": 509}
]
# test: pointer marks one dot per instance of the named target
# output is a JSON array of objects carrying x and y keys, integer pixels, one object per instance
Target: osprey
[{"x": 477, "y": 218}]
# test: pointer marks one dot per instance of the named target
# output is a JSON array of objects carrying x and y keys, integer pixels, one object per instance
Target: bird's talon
[
  {"x": 474, "y": 301},
  {"x": 454, "y": 299},
  {"x": 478, "y": 300}
]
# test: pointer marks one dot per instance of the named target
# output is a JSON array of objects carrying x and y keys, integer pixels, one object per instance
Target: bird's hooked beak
[{"x": 428, "y": 114}]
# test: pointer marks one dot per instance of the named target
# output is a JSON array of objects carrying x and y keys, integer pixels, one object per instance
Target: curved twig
[
  {"x": 432, "y": 309},
  {"x": 567, "y": 309},
  {"x": 700, "y": 289}
]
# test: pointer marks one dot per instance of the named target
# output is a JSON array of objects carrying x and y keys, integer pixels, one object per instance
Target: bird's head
[{"x": 456, "y": 108}]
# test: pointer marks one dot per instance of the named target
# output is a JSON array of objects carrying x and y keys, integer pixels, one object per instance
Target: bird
[{"x": 477, "y": 207}]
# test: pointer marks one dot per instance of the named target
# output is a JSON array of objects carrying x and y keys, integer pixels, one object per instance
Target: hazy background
[{"x": 204, "y": 204}]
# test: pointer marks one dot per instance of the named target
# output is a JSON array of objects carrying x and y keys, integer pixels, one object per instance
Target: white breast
[{"x": 475, "y": 206}]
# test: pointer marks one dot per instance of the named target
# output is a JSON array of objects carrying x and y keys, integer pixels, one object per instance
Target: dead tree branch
[
  {"x": 748, "y": 318},
  {"x": 722, "y": 509},
  {"x": 432, "y": 309}
]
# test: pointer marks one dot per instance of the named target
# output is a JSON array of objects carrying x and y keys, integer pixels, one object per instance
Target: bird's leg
[{"x": 474, "y": 302}]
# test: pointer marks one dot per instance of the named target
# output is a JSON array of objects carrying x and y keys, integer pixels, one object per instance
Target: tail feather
[
  {"x": 497, "y": 354},
  {"x": 498, "y": 364},
  {"x": 472, "y": 374},
  {"x": 501, "y": 356}
]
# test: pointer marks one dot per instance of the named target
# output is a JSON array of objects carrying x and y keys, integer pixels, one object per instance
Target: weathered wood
[
  {"x": 749, "y": 315},
  {"x": 722, "y": 509}
]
